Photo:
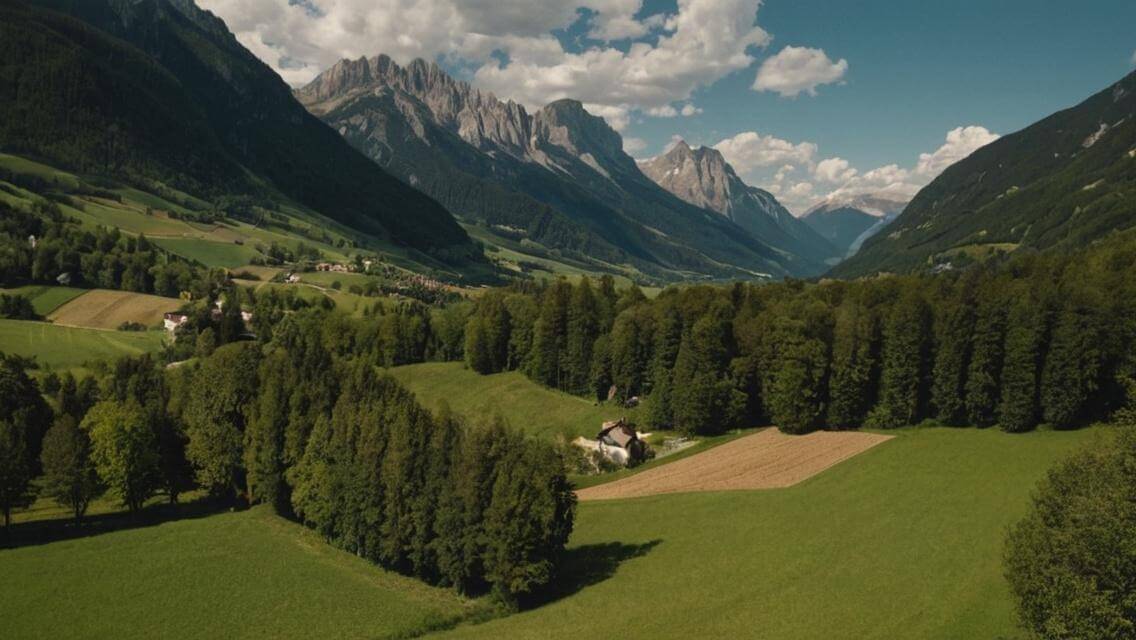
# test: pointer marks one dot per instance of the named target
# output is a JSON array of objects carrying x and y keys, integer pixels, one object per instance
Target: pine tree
[
  {"x": 584, "y": 321},
  {"x": 546, "y": 361},
  {"x": 904, "y": 379},
  {"x": 983, "y": 376},
  {"x": 703, "y": 398},
  {"x": 953, "y": 334},
  {"x": 1019, "y": 408},
  {"x": 851, "y": 386},
  {"x": 1075, "y": 360}
]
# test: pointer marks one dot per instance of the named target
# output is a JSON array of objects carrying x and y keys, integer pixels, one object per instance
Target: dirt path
[{"x": 764, "y": 460}]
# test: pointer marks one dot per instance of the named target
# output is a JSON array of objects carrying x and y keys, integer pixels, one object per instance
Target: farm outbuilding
[{"x": 618, "y": 441}]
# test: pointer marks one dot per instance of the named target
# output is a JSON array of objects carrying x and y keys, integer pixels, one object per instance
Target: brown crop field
[
  {"x": 768, "y": 459},
  {"x": 102, "y": 309}
]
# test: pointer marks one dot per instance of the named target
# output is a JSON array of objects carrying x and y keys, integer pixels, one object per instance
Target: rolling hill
[{"x": 1058, "y": 184}]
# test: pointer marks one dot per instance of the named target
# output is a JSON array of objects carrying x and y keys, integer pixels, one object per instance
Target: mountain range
[
  {"x": 703, "y": 178},
  {"x": 559, "y": 174},
  {"x": 1058, "y": 184},
  {"x": 159, "y": 92},
  {"x": 848, "y": 221}
]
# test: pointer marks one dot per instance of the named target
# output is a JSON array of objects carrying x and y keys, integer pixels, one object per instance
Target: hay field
[{"x": 103, "y": 309}]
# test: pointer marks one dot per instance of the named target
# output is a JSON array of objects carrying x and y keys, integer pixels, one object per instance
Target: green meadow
[
  {"x": 525, "y": 405},
  {"x": 903, "y": 541},
  {"x": 249, "y": 574},
  {"x": 46, "y": 299},
  {"x": 64, "y": 348},
  {"x": 209, "y": 253}
]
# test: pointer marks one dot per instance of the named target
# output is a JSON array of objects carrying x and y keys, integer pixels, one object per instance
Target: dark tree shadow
[
  {"x": 37, "y": 532},
  {"x": 584, "y": 566}
]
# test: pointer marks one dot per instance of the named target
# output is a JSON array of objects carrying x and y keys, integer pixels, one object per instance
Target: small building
[
  {"x": 172, "y": 321},
  {"x": 619, "y": 442}
]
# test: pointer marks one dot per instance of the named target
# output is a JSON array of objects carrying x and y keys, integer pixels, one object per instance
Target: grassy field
[
  {"x": 230, "y": 575},
  {"x": 208, "y": 252},
  {"x": 46, "y": 299},
  {"x": 522, "y": 403},
  {"x": 103, "y": 309},
  {"x": 903, "y": 541},
  {"x": 64, "y": 348}
]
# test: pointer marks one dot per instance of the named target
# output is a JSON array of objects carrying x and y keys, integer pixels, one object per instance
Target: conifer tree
[
  {"x": 904, "y": 378},
  {"x": 1019, "y": 409},
  {"x": 584, "y": 323},
  {"x": 1075, "y": 358},
  {"x": 983, "y": 376},
  {"x": 850, "y": 387},
  {"x": 953, "y": 334}
]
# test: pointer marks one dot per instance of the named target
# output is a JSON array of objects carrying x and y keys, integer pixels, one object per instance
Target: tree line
[
  {"x": 303, "y": 420},
  {"x": 44, "y": 246},
  {"x": 1028, "y": 340}
]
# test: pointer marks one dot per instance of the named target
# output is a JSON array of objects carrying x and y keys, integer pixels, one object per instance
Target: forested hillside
[
  {"x": 1061, "y": 184},
  {"x": 159, "y": 92}
]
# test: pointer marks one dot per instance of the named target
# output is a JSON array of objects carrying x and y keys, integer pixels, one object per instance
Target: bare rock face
[{"x": 703, "y": 178}]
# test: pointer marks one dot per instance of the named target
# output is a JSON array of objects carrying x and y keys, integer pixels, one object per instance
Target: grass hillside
[
  {"x": 523, "y": 403},
  {"x": 102, "y": 309},
  {"x": 70, "y": 347},
  {"x": 45, "y": 299},
  {"x": 903, "y": 541},
  {"x": 1059, "y": 184},
  {"x": 232, "y": 575}
]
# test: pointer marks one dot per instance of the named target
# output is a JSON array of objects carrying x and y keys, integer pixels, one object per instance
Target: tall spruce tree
[
  {"x": 851, "y": 387},
  {"x": 984, "y": 372},
  {"x": 905, "y": 376},
  {"x": 1019, "y": 409},
  {"x": 953, "y": 332}
]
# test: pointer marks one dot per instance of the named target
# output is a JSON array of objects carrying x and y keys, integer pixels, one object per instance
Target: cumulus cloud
[
  {"x": 633, "y": 145},
  {"x": 750, "y": 150},
  {"x": 790, "y": 171},
  {"x": 669, "y": 111},
  {"x": 509, "y": 45},
  {"x": 834, "y": 170},
  {"x": 796, "y": 70},
  {"x": 961, "y": 142}
]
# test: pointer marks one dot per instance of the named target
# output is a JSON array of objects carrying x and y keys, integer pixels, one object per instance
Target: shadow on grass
[
  {"x": 587, "y": 565},
  {"x": 37, "y": 532}
]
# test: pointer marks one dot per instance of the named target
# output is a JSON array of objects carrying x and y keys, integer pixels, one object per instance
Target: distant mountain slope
[
  {"x": 847, "y": 222},
  {"x": 1060, "y": 183},
  {"x": 160, "y": 91},
  {"x": 560, "y": 166},
  {"x": 703, "y": 178}
]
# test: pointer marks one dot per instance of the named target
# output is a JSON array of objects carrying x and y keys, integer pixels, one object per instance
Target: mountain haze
[
  {"x": 560, "y": 174},
  {"x": 847, "y": 222}
]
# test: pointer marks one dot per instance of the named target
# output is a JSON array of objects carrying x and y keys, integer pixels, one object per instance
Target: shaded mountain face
[
  {"x": 160, "y": 91},
  {"x": 560, "y": 174},
  {"x": 1061, "y": 183},
  {"x": 848, "y": 222},
  {"x": 703, "y": 178}
]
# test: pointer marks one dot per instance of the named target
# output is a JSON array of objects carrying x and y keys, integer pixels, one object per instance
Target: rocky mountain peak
[{"x": 699, "y": 176}]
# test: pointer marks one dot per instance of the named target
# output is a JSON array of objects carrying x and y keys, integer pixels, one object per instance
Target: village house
[{"x": 172, "y": 321}]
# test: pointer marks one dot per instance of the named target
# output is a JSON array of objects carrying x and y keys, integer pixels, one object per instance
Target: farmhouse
[
  {"x": 174, "y": 320},
  {"x": 619, "y": 442}
]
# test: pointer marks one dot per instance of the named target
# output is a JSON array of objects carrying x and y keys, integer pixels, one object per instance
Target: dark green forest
[{"x": 1027, "y": 340}]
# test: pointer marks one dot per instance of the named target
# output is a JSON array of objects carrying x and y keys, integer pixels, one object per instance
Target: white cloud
[
  {"x": 834, "y": 170},
  {"x": 789, "y": 170},
  {"x": 669, "y": 111},
  {"x": 668, "y": 58},
  {"x": 961, "y": 142},
  {"x": 796, "y": 70},
  {"x": 634, "y": 145},
  {"x": 750, "y": 150}
]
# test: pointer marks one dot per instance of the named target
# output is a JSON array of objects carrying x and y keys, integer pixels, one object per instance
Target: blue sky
[{"x": 859, "y": 96}]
